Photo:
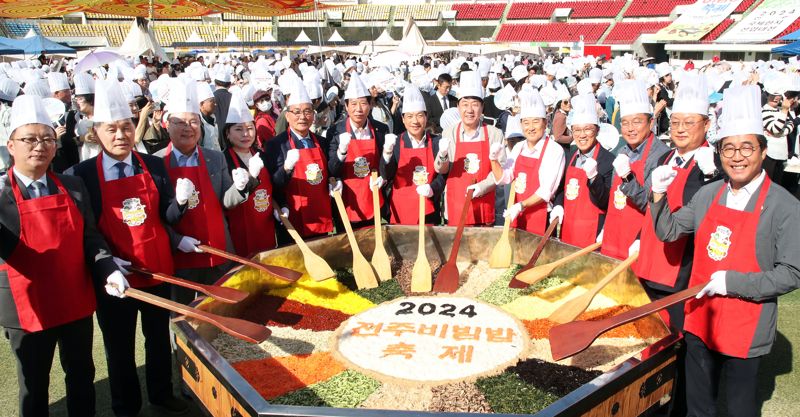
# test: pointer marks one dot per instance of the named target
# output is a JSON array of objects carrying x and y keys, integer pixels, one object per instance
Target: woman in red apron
[{"x": 467, "y": 169}]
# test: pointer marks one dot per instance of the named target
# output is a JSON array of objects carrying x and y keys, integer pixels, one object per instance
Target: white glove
[
  {"x": 634, "y": 247},
  {"x": 240, "y": 178},
  {"x": 292, "y": 156},
  {"x": 189, "y": 244},
  {"x": 376, "y": 183},
  {"x": 600, "y": 237},
  {"x": 279, "y": 214},
  {"x": 344, "y": 142},
  {"x": 557, "y": 213},
  {"x": 661, "y": 178},
  {"x": 121, "y": 264},
  {"x": 256, "y": 165},
  {"x": 184, "y": 189},
  {"x": 704, "y": 156},
  {"x": 495, "y": 150},
  {"x": 425, "y": 190},
  {"x": 116, "y": 284},
  {"x": 334, "y": 188},
  {"x": 388, "y": 144},
  {"x": 716, "y": 286},
  {"x": 590, "y": 168},
  {"x": 622, "y": 165},
  {"x": 513, "y": 211},
  {"x": 475, "y": 194},
  {"x": 444, "y": 146}
]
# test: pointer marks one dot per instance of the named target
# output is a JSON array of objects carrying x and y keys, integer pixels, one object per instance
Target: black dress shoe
[{"x": 171, "y": 405}]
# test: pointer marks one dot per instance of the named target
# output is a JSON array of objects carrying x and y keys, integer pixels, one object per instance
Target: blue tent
[
  {"x": 9, "y": 46},
  {"x": 794, "y": 36},
  {"x": 39, "y": 44},
  {"x": 790, "y": 49}
]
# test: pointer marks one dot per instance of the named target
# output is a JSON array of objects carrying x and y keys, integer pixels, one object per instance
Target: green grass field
[{"x": 779, "y": 378}]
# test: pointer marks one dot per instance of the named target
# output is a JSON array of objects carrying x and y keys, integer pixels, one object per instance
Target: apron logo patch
[
  {"x": 313, "y": 174},
  {"x": 472, "y": 164},
  {"x": 420, "y": 175},
  {"x": 620, "y": 200},
  {"x": 133, "y": 213},
  {"x": 361, "y": 167},
  {"x": 522, "y": 183},
  {"x": 573, "y": 189},
  {"x": 719, "y": 243},
  {"x": 194, "y": 199},
  {"x": 261, "y": 200}
]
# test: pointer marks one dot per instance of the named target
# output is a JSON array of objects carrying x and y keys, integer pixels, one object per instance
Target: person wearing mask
[
  {"x": 440, "y": 101},
  {"x": 264, "y": 118},
  {"x": 133, "y": 201},
  {"x": 50, "y": 250},
  {"x": 536, "y": 166},
  {"x": 209, "y": 135},
  {"x": 583, "y": 197},
  {"x": 746, "y": 255}
]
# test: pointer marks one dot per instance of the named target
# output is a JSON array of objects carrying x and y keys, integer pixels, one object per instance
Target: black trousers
[
  {"x": 676, "y": 313},
  {"x": 201, "y": 275},
  {"x": 34, "y": 353},
  {"x": 774, "y": 169},
  {"x": 705, "y": 367},
  {"x": 117, "y": 319}
]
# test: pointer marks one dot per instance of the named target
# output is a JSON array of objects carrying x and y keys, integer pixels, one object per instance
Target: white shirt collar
[
  {"x": 537, "y": 149},
  {"x": 742, "y": 197},
  {"x": 26, "y": 181},
  {"x": 109, "y": 162},
  {"x": 686, "y": 157},
  {"x": 474, "y": 137},
  {"x": 299, "y": 136}
]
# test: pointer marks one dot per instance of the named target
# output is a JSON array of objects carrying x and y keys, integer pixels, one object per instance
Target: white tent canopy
[
  {"x": 268, "y": 37},
  {"x": 232, "y": 37},
  {"x": 385, "y": 39},
  {"x": 336, "y": 37},
  {"x": 194, "y": 38},
  {"x": 447, "y": 37},
  {"x": 31, "y": 34},
  {"x": 141, "y": 41},
  {"x": 413, "y": 43},
  {"x": 302, "y": 37}
]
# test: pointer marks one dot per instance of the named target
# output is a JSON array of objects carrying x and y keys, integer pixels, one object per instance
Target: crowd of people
[{"x": 138, "y": 162}]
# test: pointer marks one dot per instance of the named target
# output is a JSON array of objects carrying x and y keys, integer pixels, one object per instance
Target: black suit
[
  {"x": 223, "y": 98},
  {"x": 34, "y": 351},
  {"x": 434, "y": 105}
]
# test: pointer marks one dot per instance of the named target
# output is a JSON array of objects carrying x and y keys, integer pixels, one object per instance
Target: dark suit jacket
[
  {"x": 96, "y": 253},
  {"x": 335, "y": 166},
  {"x": 223, "y": 98},
  {"x": 435, "y": 109},
  {"x": 599, "y": 188},
  {"x": 274, "y": 157}
]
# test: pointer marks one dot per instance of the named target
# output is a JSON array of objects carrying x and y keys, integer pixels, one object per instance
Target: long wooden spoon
[
  {"x": 242, "y": 329},
  {"x": 572, "y": 338},
  {"x": 362, "y": 270},
  {"x": 534, "y": 275},
  {"x": 380, "y": 259},
  {"x": 318, "y": 269},
  {"x": 224, "y": 294},
  {"x": 421, "y": 274},
  {"x": 574, "y": 307},
  {"x": 502, "y": 254},
  {"x": 285, "y": 274},
  {"x": 515, "y": 283},
  {"x": 447, "y": 278}
]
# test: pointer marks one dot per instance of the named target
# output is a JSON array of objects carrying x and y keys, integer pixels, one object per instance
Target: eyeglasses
[
  {"x": 306, "y": 112},
  {"x": 180, "y": 124},
  {"x": 634, "y": 123},
  {"x": 584, "y": 131},
  {"x": 746, "y": 151},
  {"x": 688, "y": 124},
  {"x": 34, "y": 142}
]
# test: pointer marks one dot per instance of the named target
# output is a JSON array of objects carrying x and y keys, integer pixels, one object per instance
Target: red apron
[
  {"x": 725, "y": 241},
  {"x": 307, "y": 195},
  {"x": 482, "y": 208},
  {"x": 580, "y": 214},
  {"x": 131, "y": 223},
  {"x": 203, "y": 218},
  {"x": 623, "y": 219},
  {"x": 359, "y": 163},
  {"x": 660, "y": 261},
  {"x": 251, "y": 223},
  {"x": 532, "y": 219},
  {"x": 47, "y": 272},
  {"x": 405, "y": 200}
]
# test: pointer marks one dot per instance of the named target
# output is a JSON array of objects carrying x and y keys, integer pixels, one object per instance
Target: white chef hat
[
  {"x": 632, "y": 97},
  {"x": 238, "y": 111},
  {"x": 663, "y": 69},
  {"x": 470, "y": 85},
  {"x": 8, "y": 89},
  {"x": 313, "y": 84},
  {"x": 692, "y": 95},
  {"x": 37, "y": 87},
  {"x": 741, "y": 111},
  {"x": 140, "y": 72},
  {"x": 584, "y": 110},
  {"x": 58, "y": 81},
  {"x": 28, "y": 110},
  {"x": 776, "y": 83},
  {"x": 84, "y": 83},
  {"x": 356, "y": 88},
  {"x": 204, "y": 92},
  {"x": 449, "y": 118},
  {"x": 224, "y": 75},
  {"x": 110, "y": 104},
  {"x": 595, "y": 75},
  {"x": 182, "y": 97},
  {"x": 412, "y": 100},
  {"x": 519, "y": 73},
  {"x": 513, "y": 127},
  {"x": 531, "y": 105},
  {"x": 608, "y": 136},
  {"x": 585, "y": 86},
  {"x": 494, "y": 81},
  {"x": 562, "y": 93},
  {"x": 297, "y": 93},
  {"x": 130, "y": 90},
  {"x": 332, "y": 93}
]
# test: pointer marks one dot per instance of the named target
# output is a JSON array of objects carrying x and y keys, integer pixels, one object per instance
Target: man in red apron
[
  {"x": 215, "y": 189},
  {"x": 534, "y": 165},
  {"x": 636, "y": 160},
  {"x": 464, "y": 156},
  {"x": 355, "y": 146},
  {"x": 410, "y": 167},
  {"x": 747, "y": 252},
  {"x": 583, "y": 197},
  {"x": 49, "y": 246},
  {"x": 133, "y": 202}
]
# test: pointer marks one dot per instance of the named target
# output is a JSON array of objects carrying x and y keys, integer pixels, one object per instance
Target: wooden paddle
[
  {"x": 285, "y": 274},
  {"x": 242, "y": 329},
  {"x": 574, "y": 307},
  {"x": 317, "y": 268},
  {"x": 501, "y": 254},
  {"x": 534, "y": 275},
  {"x": 380, "y": 259},
  {"x": 421, "y": 274},
  {"x": 572, "y": 338},
  {"x": 447, "y": 279},
  {"x": 515, "y": 283},
  {"x": 362, "y": 270},
  {"x": 224, "y": 294}
]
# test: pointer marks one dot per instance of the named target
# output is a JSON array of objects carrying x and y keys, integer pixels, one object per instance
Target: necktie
[
  {"x": 36, "y": 189},
  {"x": 444, "y": 103},
  {"x": 306, "y": 143},
  {"x": 120, "y": 169},
  {"x": 679, "y": 162}
]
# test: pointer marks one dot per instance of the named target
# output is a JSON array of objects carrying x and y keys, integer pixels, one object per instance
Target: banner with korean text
[
  {"x": 767, "y": 21},
  {"x": 697, "y": 20}
]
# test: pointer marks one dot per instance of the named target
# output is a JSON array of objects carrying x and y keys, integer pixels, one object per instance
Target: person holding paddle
[
  {"x": 745, "y": 249},
  {"x": 49, "y": 251},
  {"x": 133, "y": 201},
  {"x": 536, "y": 165}
]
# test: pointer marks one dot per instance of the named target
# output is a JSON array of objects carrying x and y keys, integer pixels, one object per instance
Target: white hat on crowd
[
  {"x": 596, "y": 75},
  {"x": 449, "y": 118},
  {"x": 110, "y": 104},
  {"x": 130, "y": 90},
  {"x": 28, "y": 110},
  {"x": 692, "y": 95},
  {"x": 632, "y": 98},
  {"x": 519, "y": 73},
  {"x": 513, "y": 127},
  {"x": 37, "y": 87},
  {"x": 356, "y": 88},
  {"x": 204, "y": 92},
  {"x": 182, "y": 97},
  {"x": 470, "y": 85},
  {"x": 58, "y": 81},
  {"x": 84, "y": 83},
  {"x": 412, "y": 100},
  {"x": 238, "y": 112},
  {"x": 584, "y": 110},
  {"x": 532, "y": 106},
  {"x": 741, "y": 112},
  {"x": 297, "y": 93},
  {"x": 9, "y": 89},
  {"x": 663, "y": 69}
]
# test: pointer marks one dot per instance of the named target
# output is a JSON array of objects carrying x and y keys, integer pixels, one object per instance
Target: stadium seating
[
  {"x": 18, "y": 28},
  {"x": 791, "y": 28},
  {"x": 717, "y": 31},
  {"x": 643, "y": 8},
  {"x": 580, "y": 9},
  {"x": 479, "y": 11},
  {"x": 743, "y": 6},
  {"x": 627, "y": 32},
  {"x": 551, "y": 32},
  {"x": 419, "y": 11}
]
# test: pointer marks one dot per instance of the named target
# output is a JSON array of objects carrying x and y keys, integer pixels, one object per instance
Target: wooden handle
[
  {"x": 376, "y": 210},
  {"x": 515, "y": 283},
  {"x": 298, "y": 240},
  {"x": 507, "y": 221},
  {"x": 285, "y": 274},
  {"x": 337, "y": 197},
  {"x": 224, "y": 294},
  {"x": 460, "y": 230},
  {"x": 242, "y": 329},
  {"x": 535, "y": 274},
  {"x": 614, "y": 272},
  {"x": 421, "y": 245}
]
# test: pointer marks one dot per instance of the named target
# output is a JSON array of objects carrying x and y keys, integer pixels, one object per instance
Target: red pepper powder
[{"x": 277, "y": 311}]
